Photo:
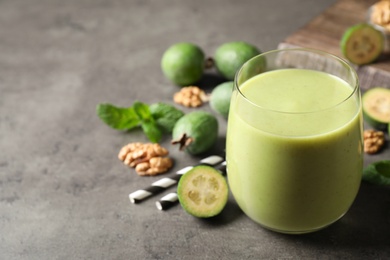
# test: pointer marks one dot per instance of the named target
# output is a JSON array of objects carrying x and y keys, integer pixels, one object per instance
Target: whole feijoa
[
  {"x": 183, "y": 63},
  {"x": 220, "y": 98},
  {"x": 229, "y": 57},
  {"x": 195, "y": 132}
]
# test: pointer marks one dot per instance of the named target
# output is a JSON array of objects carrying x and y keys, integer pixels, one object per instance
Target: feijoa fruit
[
  {"x": 220, "y": 98},
  {"x": 376, "y": 107},
  {"x": 229, "y": 57},
  {"x": 362, "y": 44},
  {"x": 183, "y": 63},
  {"x": 195, "y": 132},
  {"x": 202, "y": 191}
]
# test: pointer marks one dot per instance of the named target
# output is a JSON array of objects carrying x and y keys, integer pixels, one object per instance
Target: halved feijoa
[
  {"x": 376, "y": 107},
  {"x": 362, "y": 44},
  {"x": 202, "y": 191}
]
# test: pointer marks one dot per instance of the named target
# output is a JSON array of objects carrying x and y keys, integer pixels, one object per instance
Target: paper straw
[
  {"x": 164, "y": 183},
  {"x": 171, "y": 199},
  {"x": 167, "y": 201}
]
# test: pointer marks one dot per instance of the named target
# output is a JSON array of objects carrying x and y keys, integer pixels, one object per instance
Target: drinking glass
[{"x": 294, "y": 146}]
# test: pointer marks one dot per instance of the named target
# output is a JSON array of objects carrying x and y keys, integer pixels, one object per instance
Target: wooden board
[{"x": 324, "y": 32}]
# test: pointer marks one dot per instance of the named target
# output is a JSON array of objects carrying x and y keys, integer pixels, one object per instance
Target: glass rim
[{"x": 342, "y": 61}]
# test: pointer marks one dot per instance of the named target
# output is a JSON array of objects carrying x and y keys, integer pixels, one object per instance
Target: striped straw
[
  {"x": 167, "y": 201},
  {"x": 164, "y": 183},
  {"x": 171, "y": 199}
]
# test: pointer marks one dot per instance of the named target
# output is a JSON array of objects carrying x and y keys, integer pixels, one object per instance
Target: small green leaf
[
  {"x": 378, "y": 172},
  {"x": 117, "y": 117},
  {"x": 154, "y": 120},
  {"x": 165, "y": 115},
  {"x": 152, "y": 131},
  {"x": 142, "y": 111}
]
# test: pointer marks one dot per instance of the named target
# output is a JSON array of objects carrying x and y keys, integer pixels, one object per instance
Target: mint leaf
[
  {"x": 152, "y": 131},
  {"x": 154, "y": 120},
  {"x": 142, "y": 111},
  {"x": 117, "y": 117},
  {"x": 378, "y": 173},
  {"x": 148, "y": 124},
  {"x": 165, "y": 115}
]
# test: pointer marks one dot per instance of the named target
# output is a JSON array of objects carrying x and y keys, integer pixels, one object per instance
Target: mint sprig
[
  {"x": 117, "y": 117},
  {"x": 152, "y": 132},
  {"x": 142, "y": 111},
  {"x": 165, "y": 115},
  {"x": 377, "y": 173},
  {"x": 155, "y": 120},
  {"x": 148, "y": 124}
]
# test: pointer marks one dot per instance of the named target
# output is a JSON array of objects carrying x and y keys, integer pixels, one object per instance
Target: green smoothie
[{"x": 294, "y": 149}]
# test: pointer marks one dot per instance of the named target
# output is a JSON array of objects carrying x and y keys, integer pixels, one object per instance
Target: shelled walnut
[
  {"x": 373, "y": 141},
  {"x": 146, "y": 158},
  {"x": 190, "y": 96},
  {"x": 380, "y": 14}
]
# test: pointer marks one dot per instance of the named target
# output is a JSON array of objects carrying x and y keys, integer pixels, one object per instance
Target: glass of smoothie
[{"x": 294, "y": 139}]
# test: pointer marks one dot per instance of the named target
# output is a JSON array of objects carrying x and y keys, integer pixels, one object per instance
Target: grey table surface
[{"x": 64, "y": 193}]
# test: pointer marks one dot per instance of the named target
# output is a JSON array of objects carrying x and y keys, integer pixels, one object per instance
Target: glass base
[{"x": 299, "y": 232}]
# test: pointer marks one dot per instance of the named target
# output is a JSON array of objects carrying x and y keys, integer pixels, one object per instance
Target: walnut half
[
  {"x": 190, "y": 96},
  {"x": 373, "y": 141},
  {"x": 380, "y": 14},
  {"x": 146, "y": 158}
]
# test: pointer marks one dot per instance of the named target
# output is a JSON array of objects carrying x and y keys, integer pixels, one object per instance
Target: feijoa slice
[
  {"x": 183, "y": 63},
  {"x": 203, "y": 191},
  {"x": 195, "y": 132},
  {"x": 378, "y": 172},
  {"x": 362, "y": 44},
  {"x": 376, "y": 107}
]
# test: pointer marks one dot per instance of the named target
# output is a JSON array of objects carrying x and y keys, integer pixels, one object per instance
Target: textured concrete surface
[{"x": 63, "y": 192}]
